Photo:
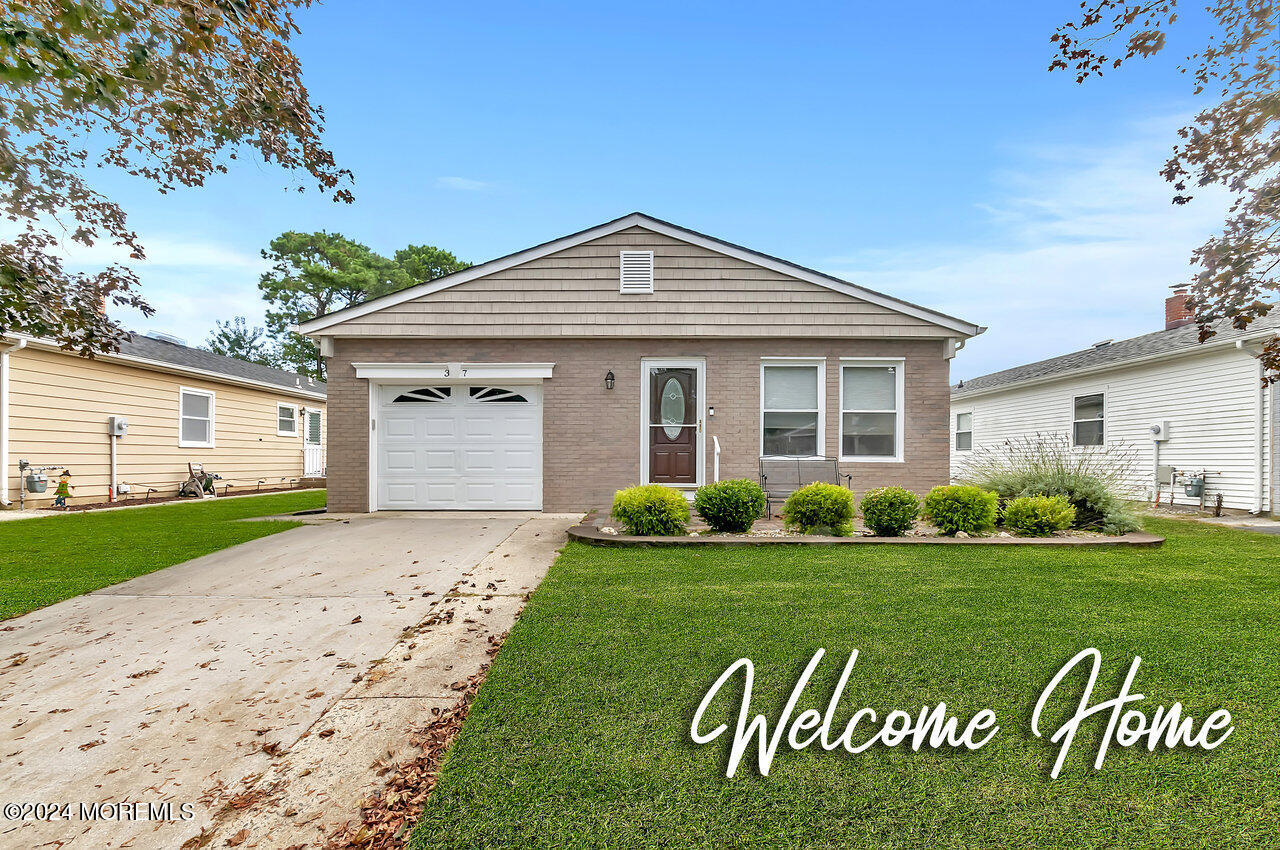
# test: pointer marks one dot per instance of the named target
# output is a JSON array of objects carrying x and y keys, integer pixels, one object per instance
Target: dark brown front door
[{"x": 673, "y": 425}]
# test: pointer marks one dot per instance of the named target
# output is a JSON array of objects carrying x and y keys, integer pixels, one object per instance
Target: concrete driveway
[{"x": 200, "y": 683}]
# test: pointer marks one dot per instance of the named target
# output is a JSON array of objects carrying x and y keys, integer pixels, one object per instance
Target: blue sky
[{"x": 920, "y": 149}]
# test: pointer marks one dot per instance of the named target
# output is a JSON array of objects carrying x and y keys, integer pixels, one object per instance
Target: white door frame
[
  {"x": 699, "y": 365},
  {"x": 463, "y": 374}
]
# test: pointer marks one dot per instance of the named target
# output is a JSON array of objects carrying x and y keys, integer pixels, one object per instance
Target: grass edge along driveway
[
  {"x": 49, "y": 559},
  {"x": 580, "y": 735}
]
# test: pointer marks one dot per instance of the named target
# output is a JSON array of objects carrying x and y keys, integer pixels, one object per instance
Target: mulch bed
[{"x": 598, "y": 530}]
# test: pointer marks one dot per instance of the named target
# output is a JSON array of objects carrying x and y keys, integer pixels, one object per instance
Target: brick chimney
[{"x": 1176, "y": 313}]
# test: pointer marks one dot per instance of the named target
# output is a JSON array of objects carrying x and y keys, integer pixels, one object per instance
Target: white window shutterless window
[
  {"x": 195, "y": 418},
  {"x": 286, "y": 420},
  {"x": 964, "y": 432},
  {"x": 791, "y": 420},
  {"x": 871, "y": 410},
  {"x": 1088, "y": 420}
]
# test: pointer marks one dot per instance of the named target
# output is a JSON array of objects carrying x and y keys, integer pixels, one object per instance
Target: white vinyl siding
[
  {"x": 1210, "y": 400},
  {"x": 195, "y": 418}
]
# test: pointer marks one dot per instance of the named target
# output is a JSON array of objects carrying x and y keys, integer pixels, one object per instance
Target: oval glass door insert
[{"x": 672, "y": 409}]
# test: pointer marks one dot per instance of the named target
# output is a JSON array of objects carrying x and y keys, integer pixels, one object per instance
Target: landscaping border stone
[{"x": 588, "y": 532}]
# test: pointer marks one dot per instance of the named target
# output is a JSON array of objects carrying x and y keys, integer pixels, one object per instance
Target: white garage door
[{"x": 459, "y": 447}]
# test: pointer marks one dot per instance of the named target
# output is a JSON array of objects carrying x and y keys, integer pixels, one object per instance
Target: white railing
[
  {"x": 313, "y": 461},
  {"x": 715, "y": 458}
]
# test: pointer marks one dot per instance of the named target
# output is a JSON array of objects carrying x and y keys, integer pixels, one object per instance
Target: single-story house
[
  {"x": 633, "y": 351},
  {"x": 126, "y": 424},
  {"x": 1184, "y": 407}
]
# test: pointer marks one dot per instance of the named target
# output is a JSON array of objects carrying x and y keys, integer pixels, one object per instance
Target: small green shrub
[
  {"x": 959, "y": 508},
  {"x": 820, "y": 507},
  {"x": 651, "y": 509},
  {"x": 731, "y": 505},
  {"x": 1039, "y": 516},
  {"x": 889, "y": 511}
]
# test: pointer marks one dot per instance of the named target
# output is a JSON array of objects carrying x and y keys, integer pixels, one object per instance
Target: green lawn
[
  {"x": 43, "y": 561},
  {"x": 580, "y": 736}
]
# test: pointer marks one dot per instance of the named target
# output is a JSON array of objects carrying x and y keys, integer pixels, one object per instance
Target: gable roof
[
  {"x": 319, "y": 325},
  {"x": 1152, "y": 346},
  {"x": 149, "y": 352}
]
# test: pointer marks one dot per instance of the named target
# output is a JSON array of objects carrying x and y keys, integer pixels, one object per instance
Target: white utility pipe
[
  {"x": 112, "y": 438},
  {"x": 715, "y": 464},
  {"x": 1260, "y": 430},
  {"x": 4, "y": 420}
]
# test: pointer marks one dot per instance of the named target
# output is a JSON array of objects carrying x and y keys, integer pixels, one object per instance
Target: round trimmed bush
[
  {"x": 731, "y": 505},
  {"x": 817, "y": 507},
  {"x": 960, "y": 508},
  {"x": 651, "y": 509},
  {"x": 1039, "y": 516},
  {"x": 889, "y": 511}
]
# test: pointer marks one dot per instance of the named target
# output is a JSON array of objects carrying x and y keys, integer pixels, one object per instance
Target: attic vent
[
  {"x": 1103, "y": 344},
  {"x": 636, "y": 271}
]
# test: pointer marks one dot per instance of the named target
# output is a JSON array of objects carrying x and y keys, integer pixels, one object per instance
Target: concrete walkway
[{"x": 201, "y": 683}]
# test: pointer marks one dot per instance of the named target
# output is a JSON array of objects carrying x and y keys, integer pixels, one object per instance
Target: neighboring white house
[{"x": 1208, "y": 400}]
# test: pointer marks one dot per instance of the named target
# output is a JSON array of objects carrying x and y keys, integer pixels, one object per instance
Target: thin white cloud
[
  {"x": 1086, "y": 245},
  {"x": 463, "y": 184}
]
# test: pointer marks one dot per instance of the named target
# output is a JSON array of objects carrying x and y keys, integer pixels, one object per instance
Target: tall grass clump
[{"x": 1093, "y": 479}]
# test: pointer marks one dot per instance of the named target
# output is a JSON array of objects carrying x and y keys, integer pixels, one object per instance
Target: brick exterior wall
[{"x": 591, "y": 436}]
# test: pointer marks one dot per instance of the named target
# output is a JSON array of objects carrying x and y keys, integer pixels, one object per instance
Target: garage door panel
[
  {"x": 440, "y": 461},
  {"x": 457, "y": 452},
  {"x": 399, "y": 427},
  {"x": 400, "y": 461}
]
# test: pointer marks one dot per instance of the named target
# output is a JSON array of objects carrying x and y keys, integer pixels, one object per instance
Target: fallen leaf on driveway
[
  {"x": 142, "y": 674},
  {"x": 315, "y": 694},
  {"x": 327, "y": 733},
  {"x": 238, "y": 839},
  {"x": 92, "y": 744},
  {"x": 356, "y": 620}
]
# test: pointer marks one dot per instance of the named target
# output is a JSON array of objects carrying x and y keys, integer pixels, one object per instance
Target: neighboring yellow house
[{"x": 254, "y": 426}]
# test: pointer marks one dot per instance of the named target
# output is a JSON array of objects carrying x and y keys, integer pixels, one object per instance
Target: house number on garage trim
[{"x": 935, "y": 728}]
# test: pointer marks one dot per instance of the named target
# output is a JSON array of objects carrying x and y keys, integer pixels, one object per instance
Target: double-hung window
[
  {"x": 791, "y": 407},
  {"x": 871, "y": 410},
  {"x": 1087, "y": 416},
  {"x": 195, "y": 418},
  {"x": 286, "y": 420},
  {"x": 964, "y": 432}
]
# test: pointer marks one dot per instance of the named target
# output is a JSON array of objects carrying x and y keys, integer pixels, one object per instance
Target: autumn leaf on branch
[
  {"x": 1234, "y": 143},
  {"x": 166, "y": 90}
]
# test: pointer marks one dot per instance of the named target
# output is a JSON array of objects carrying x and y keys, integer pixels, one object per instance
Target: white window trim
[
  {"x": 188, "y": 444},
  {"x": 900, "y": 397},
  {"x": 955, "y": 430},
  {"x": 1075, "y": 396},
  {"x": 280, "y": 405},
  {"x": 821, "y": 363}
]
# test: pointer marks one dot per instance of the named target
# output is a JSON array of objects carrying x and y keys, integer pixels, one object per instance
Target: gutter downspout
[{"x": 4, "y": 419}]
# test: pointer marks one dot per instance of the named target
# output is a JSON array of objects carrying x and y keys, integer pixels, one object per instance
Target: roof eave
[
  {"x": 175, "y": 369},
  {"x": 316, "y": 327},
  {"x": 1107, "y": 367}
]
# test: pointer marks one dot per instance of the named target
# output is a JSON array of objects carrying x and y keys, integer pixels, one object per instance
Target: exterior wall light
[{"x": 608, "y": 380}]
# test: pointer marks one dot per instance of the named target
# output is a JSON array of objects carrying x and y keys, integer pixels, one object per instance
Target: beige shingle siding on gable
[{"x": 697, "y": 291}]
